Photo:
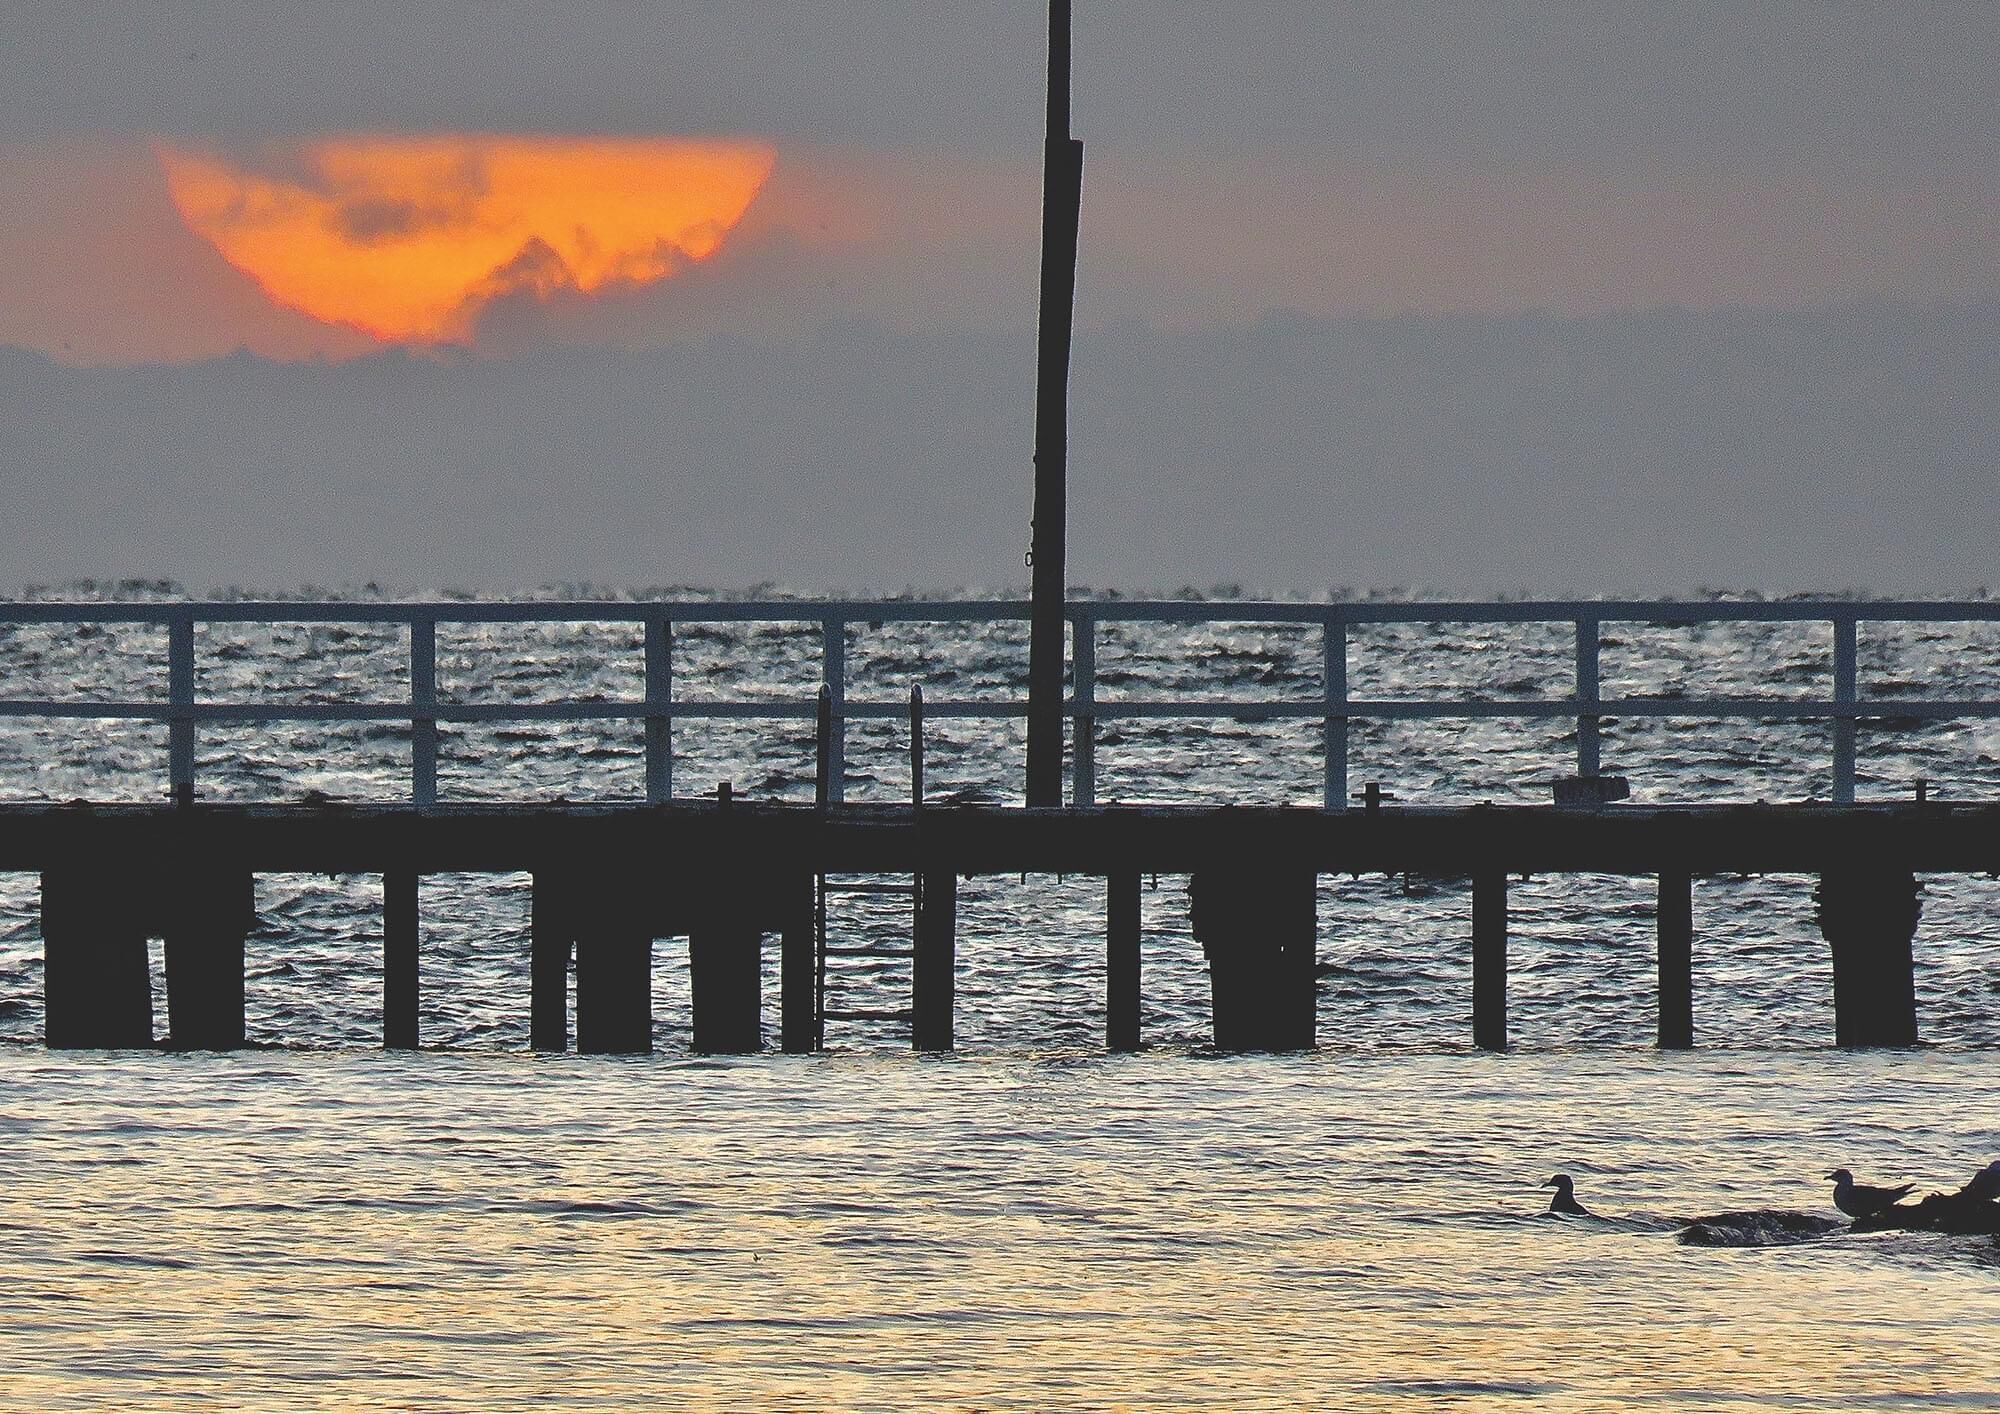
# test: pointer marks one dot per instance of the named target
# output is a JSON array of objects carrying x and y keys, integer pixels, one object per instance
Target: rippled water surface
[{"x": 478, "y": 1232}]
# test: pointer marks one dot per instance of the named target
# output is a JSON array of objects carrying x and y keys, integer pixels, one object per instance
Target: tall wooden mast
[{"x": 1062, "y": 202}]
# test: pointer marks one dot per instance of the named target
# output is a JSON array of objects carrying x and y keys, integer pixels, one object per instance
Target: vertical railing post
[
  {"x": 1333, "y": 678},
  {"x": 1083, "y": 724},
  {"x": 659, "y": 711},
  {"x": 423, "y": 710},
  {"x": 1843, "y": 701},
  {"x": 822, "y": 734},
  {"x": 1587, "y": 761},
  {"x": 916, "y": 746},
  {"x": 833, "y": 656},
  {"x": 180, "y": 702}
]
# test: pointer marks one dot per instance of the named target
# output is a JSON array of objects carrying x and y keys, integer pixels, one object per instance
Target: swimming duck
[
  {"x": 1565, "y": 1199},
  {"x": 1859, "y": 1200}
]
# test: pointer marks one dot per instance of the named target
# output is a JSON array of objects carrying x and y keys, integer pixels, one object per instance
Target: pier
[{"x": 735, "y": 875}]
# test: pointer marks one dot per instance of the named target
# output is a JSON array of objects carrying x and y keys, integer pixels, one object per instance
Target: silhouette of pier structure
[{"x": 736, "y": 875}]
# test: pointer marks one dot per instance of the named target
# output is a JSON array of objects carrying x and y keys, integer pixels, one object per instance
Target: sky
[{"x": 1483, "y": 297}]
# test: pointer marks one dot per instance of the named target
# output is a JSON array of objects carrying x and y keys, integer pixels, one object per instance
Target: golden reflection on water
[{"x": 1355, "y": 1232}]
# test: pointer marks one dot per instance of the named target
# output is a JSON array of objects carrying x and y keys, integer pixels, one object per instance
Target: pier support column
[
  {"x": 209, "y": 913},
  {"x": 935, "y": 966},
  {"x": 97, "y": 985},
  {"x": 725, "y": 973},
  {"x": 1675, "y": 926},
  {"x": 399, "y": 960},
  {"x": 798, "y": 967},
  {"x": 614, "y": 964},
  {"x": 1489, "y": 960},
  {"x": 1868, "y": 915},
  {"x": 1257, "y": 927},
  {"x": 1121, "y": 961},
  {"x": 551, "y": 932}
]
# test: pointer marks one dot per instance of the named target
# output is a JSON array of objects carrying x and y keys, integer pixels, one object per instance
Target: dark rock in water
[
  {"x": 1756, "y": 1227},
  {"x": 1958, "y": 1214}
]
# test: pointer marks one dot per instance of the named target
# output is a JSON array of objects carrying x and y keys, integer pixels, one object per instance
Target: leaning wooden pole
[{"x": 1062, "y": 204}]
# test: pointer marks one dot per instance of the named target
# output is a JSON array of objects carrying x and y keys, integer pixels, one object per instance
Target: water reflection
[{"x": 480, "y": 1232}]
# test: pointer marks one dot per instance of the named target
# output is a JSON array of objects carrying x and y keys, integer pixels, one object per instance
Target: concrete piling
[
  {"x": 1489, "y": 960},
  {"x": 1674, "y": 922},
  {"x": 1257, "y": 927},
  {"x": 1868, "y": 915},
  {"x": 399, "y": 960},
  {"x": 614, "y": 965},
  {"x": 551, "y": 933},
  {"x": 210, "y": 910},
  {"x": 1121, "y": 970},
  {"x": 725, "y": 973},
  {"x": 798, "y": 965},
  {"x": 935, "y": 965},
  {"x": 97, "y": 984}
]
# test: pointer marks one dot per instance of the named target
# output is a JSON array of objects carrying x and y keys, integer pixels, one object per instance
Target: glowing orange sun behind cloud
[{"x": 408, "y": 238}]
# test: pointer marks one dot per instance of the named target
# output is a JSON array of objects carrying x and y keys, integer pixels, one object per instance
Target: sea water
[{"x": 483, "y": 1230}]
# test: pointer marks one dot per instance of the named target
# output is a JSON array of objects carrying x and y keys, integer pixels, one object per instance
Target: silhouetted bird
[
  {"x": 1565, "y": 1199},
  {"x": 1985, "y": 1184},
  {"x": 1859, "y": 1200},
  {"x": 1969, "y": 1212}
]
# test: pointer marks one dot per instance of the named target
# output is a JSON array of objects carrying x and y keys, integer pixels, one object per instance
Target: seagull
[
  {"x": 1984, "y": 1185},
  {"x": 1565, "y": 1199},
  {"x": 1858, "y": 1200}
]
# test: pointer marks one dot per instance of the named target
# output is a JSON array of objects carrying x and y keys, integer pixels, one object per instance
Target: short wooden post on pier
[
  {"x": 1257, "y": 927},
  {"x": 551, "y": 933},
  {"x": 1121, "y": 961},
  {"x": 798, "y": 965},
  {"x": 399, "y": 960},
  {"x": 97, "y": 985},
  {"x": 1489, "y": 960},
  {"x": 210, "y": 910},
  {"x": 1868, "y": 916},
  {"x": 934, "y": 969},
  {"x": 613, "y": 927},
  {"x": 1674, "y": 924}
]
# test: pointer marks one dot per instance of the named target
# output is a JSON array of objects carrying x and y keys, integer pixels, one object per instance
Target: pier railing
[{"x": 658, "y": 709}]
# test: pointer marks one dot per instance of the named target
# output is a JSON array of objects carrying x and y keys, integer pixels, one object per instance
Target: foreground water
[{"x": 1166, "y": 1231}]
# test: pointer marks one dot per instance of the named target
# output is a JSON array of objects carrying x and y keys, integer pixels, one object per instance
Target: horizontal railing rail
[
  {"x": 1675, "y": 612},
  {"x": 659, "y": 708}
]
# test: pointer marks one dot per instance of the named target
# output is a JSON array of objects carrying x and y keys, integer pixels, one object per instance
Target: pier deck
[
  {"x": 726, "y": 872},
  {"x": 690, "y": 836},
  {"x": 609, "y": 880}
]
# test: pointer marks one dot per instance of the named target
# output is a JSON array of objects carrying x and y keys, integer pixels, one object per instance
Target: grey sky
[
  {"x": 1668, "y": 294},
  {"x": 1634, "y": 453},
  {"x": 1715, "y": 81}
]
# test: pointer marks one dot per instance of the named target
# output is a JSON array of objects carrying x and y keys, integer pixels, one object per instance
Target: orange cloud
[{"x": 407, "y": 238}]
